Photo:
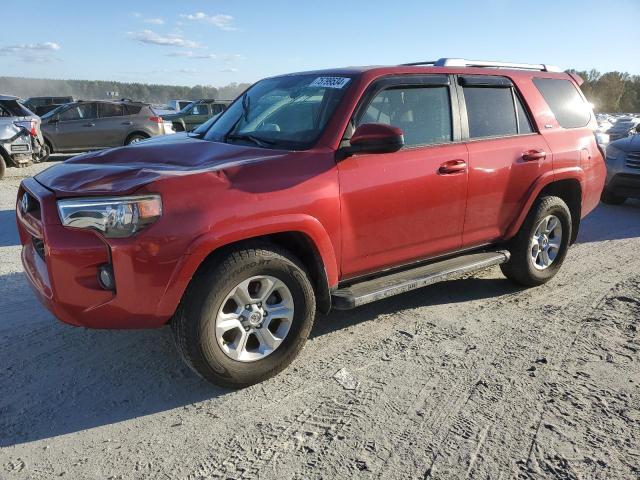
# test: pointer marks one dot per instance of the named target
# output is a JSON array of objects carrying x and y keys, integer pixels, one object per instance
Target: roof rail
[{"x": 461, "y": 62}]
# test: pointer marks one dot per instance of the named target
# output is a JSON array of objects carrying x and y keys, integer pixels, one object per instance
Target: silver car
[
  {"x": 20, "y": 135},
  {"x": 623, "y": 171},
  {"x": 92, "y": 125}
]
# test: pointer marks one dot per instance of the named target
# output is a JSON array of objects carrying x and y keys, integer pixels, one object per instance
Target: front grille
[
  {"x": 633, "y": 160},
  {"x": 38, "y": 245}
]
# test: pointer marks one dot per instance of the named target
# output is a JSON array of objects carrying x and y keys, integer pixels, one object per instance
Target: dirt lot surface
[{"x": 473, "y": 378}]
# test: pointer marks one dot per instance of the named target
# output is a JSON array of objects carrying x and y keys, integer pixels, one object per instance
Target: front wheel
[
  {"x": 541, "y": 245},
  {"x": 245, "y": 318}
]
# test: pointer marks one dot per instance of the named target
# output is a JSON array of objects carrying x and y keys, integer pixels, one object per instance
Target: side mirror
[{"x": 375, "y": 138}]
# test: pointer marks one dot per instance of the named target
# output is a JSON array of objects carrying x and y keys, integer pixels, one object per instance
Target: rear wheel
[
  {"x": 135, "y": 138},
  {"x": 245, "y": 318},
  {"x": 539, "y": 248},
  {"x": 611, "y": 198}
]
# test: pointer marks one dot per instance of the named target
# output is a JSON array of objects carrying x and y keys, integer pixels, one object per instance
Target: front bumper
[
  {"x": 623, "y": 175},
  {"x": 62, "y": 264}
]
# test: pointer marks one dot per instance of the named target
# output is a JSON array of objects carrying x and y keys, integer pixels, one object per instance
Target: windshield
[
  {"x": 186, "y": 108},
  {"x": 53, "y": 112},
  {"x": 287, "y": 112}
]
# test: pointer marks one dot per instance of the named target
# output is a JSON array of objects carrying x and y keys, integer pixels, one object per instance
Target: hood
[
  {"x": 628, "y": 144},
  {"x": 171, "y": 116},
  {"x": 123, "y": 170}
]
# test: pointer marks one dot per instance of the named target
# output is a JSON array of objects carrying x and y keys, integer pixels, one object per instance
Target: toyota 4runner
[{"x": 315, "y": 190}]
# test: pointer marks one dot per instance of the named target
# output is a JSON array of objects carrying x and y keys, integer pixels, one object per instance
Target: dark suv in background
[
  {"x": 42, "y": 105},
  {"x": 195, "y": 114},
  {"x": 91, "y": 125}
]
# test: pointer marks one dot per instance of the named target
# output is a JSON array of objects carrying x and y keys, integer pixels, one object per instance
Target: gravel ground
[{"x": 472, "y": 378}]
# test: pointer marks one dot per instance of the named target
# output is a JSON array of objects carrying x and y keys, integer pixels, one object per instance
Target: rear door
[
  {"x": 402, "y": 206},
  {"x": 75, "y": 129},
  {"x": 111, "y": 125},
  {"x": 506, "y": 155}
]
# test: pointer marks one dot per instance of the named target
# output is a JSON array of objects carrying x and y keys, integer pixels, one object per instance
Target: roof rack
[{"x": 461, "y": 62}]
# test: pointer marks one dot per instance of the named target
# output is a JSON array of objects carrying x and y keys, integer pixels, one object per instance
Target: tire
[
  {"x": 3, "y": 167},
  {"x": 46, "y": 152},
  {"x": 522, "y": 268},
  {"x": 135, "y": 138},
  {"x": 611, "y": 198},
  {"x": 196, "y": 327}
]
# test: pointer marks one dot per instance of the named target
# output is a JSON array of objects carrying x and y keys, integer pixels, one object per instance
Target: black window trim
[
  {"x": 515, "y": 93},
  {"x": 412, "y": 81}
]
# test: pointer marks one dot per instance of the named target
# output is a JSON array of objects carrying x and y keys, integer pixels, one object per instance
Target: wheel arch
[
  {"x": 309, "y": 242},
  {"x": 141, "y": 133},
  {"x": 567, "y": 185}
]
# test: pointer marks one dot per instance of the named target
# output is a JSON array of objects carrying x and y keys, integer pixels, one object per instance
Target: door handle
[
  {"x": 127, "y": 123},
  {"x": 89, "y": 125},
  {"x": 452, "y": 166},
  {"x": 534, "y": 155}
]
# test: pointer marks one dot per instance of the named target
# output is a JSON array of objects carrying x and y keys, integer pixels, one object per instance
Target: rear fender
[
  {"x": 569, "y": 173},
  {"x": 222, "y": 236}
]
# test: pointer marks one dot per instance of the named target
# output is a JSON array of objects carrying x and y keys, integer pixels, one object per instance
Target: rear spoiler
[{"x": 576, "y": 78}]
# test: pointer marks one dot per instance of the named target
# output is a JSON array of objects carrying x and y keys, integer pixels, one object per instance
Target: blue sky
[{"x": 214, "y": 42}]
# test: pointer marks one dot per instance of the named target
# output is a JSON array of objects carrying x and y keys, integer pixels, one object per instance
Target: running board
[{"x": 400, "y": 282}]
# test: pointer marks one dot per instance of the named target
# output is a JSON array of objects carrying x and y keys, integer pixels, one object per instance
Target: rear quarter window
[{"x": 562, "y": 96}]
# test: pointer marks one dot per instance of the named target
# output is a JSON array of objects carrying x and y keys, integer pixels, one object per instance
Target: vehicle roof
[
  {"x": 8, "y": 97},
  {"x": 382, "y": 70}
]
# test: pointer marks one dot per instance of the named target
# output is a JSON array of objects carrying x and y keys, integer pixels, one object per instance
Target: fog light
[{"x": 105, "y": 277}]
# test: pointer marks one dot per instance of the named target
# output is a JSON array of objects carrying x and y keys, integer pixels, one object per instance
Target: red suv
[{"x": 315, "y": 190}]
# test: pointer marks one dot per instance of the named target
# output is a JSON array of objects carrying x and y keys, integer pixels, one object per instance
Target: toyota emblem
[{"x": 24, "y": 203}]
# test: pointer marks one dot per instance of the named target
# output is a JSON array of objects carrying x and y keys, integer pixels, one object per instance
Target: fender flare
[
  {"x": 222, "y": 236},
  {"x": 569, "y": 173}
]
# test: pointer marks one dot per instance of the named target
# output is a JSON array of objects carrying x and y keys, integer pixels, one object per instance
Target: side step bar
[{"x": 378, "y": 288}]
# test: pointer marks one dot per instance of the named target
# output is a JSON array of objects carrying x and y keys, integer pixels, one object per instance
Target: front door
[
  {"x": 408, "y": 205},
  {"x": 75, "y": 129}
]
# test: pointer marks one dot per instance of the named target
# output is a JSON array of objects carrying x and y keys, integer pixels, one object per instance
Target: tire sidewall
[
  {"x": 561, "y": 211},
  {"x": 246, "y": 373}
]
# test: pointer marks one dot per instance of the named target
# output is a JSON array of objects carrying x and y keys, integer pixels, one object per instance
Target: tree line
[
  {"x": 610, "y": 92},
  {"x": 99, "y": 89}
]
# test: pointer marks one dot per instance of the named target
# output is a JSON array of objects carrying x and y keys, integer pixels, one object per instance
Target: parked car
[
  {"x": 315, "y": 190},
  {"x": 623, "y": 171},
  {"x": 623, "y": 128},
  {"x": 20, "y": 135},
  {"x": 195, "y": 114},
  {"x": 92, "y": 125},
  {"x": 42, "y": 105},
  {"x": 178, "y": 105}
]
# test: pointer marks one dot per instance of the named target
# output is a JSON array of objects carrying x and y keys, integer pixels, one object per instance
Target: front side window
[
  {"x": 287, "y": 112},
  {"x": 79, "y": 112},
  {"x": 422, "y": 113},
  {"x": 200, "y": 109},
  {"x": 569, "y": 108}
]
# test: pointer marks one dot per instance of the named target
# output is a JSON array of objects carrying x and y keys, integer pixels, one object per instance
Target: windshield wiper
[{"x": 261, "y": 142}]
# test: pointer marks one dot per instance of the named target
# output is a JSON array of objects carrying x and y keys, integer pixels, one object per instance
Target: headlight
[
  {"x": 115, "y": 217},
  {"x": 613, "y": 152}
]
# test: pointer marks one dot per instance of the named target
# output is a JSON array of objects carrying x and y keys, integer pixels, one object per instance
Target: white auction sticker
[{"x": 330, "y": 82}]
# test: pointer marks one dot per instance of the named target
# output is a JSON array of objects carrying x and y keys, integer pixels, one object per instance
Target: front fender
[
  {"x": 231, "y": 233},
  {"x": 569, "y": 173}
]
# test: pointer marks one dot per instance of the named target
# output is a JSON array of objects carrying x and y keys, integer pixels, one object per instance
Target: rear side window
[
  {"x": 565, "y": 102},
  {"x": 423, "y": 113},
  {"x": 110, "y": 110},
  {"x": 132, "y": 109}
]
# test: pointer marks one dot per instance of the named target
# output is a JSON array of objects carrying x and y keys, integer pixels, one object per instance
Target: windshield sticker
[{"x": 330, "y": 82}]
